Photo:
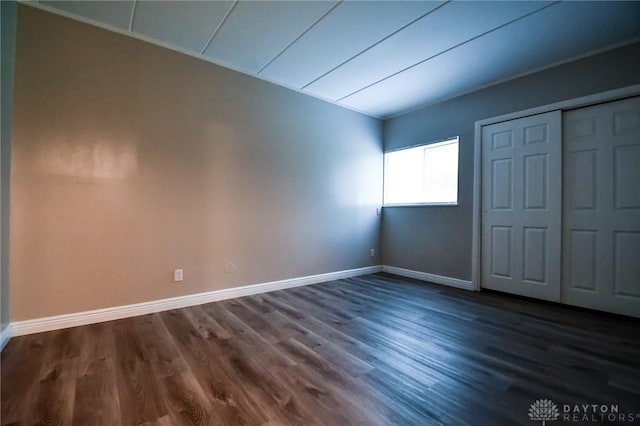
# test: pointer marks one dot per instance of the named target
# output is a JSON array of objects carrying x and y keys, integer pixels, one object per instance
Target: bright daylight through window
[{"x": 425, "y": 174}]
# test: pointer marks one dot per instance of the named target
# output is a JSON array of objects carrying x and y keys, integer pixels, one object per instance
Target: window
[{"x": 425, "y": 174}]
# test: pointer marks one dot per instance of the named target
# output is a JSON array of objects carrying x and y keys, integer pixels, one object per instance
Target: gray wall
[
  {"x": 437, "y": 240},
  {"x": 8, "y": 15},
  {"x": 131, "y": 160}
]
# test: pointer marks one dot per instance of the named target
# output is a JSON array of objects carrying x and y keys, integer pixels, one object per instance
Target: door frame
[{"x": 476, "y": 242}]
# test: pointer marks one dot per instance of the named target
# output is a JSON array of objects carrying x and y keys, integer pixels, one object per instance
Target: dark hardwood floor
[{"x": 373, "y": 350}]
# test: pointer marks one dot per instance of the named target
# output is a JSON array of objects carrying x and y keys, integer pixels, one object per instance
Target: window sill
[{"x": 454, "y": 204}]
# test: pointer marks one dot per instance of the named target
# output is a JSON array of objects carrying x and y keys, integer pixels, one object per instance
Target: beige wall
[
  {"x": 8, "y": 15},
  {"x": 131, "y": 160}
]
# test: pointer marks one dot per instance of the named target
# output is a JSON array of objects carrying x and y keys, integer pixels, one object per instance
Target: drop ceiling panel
[
  {"x": 535, "y": 42},
  {"x": 350, "y": 28},
  {"x": 256, "y": 31},
  {"x": 185, "y": 24},
  {"x": 450, "y": 25},
  {"x": 379, "y": 57},
  {"x": 115, "y": 13}
]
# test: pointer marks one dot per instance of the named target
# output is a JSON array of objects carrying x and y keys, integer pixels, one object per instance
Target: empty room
[{"x": 337, "y": 212}]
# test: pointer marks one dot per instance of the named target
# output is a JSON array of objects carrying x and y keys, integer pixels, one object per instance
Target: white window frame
[{"x": 436, "y": 144}]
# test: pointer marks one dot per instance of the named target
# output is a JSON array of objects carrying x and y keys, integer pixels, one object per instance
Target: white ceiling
[{"x": 379, "y": 57}]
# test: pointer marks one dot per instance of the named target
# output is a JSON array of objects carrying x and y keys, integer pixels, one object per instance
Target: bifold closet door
[
  {"x": 521, "y": 206},
  {"x": 601, "y": 208}
]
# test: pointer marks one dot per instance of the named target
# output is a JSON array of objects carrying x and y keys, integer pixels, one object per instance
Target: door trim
[{"x": 476, "y": 242}]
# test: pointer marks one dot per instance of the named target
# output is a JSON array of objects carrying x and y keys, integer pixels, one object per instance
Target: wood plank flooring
[{"x": 373, "y": 350}]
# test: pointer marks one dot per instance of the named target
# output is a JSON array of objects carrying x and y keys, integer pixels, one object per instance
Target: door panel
[
  {"x": 601, "y": 207},
  {"x": 535, "y": 182},
  {"x": 626, "y": 269},
  {"x": 583, "y": 258},
  {"x": 583, "y": 192},
  {"x": 626, "y": 171},
  {"x": 535, "y": 255},
  {"x": 501, "y": 181},
  {"x": 521, "y": 198},
  {"x": 501, "y": 251}
]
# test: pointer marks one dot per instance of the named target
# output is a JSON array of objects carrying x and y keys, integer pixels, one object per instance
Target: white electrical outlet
[
  {"x": 373, "y": 252},
  {"x": 178, "y": 275}
]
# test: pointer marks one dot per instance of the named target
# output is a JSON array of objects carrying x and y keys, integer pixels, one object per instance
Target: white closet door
[
  {"x": 521, "y": 201},
  {"x": 601, "y": 219}
]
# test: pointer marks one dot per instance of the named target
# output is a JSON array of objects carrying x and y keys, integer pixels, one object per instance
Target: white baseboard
[
  {"x": 38, "y": 325},
  {"x": 432, "y": 278},
  {"x": 5, "y": 336}
]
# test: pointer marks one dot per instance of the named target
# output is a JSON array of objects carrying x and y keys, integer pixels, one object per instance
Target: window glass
[{"x": 425, "y": 174}]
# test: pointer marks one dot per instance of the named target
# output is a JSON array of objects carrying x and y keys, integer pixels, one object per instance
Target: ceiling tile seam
[
  {"x": 217, "y": 30},
  {"x": 193, "y": 54},
  {"x": 375, "y": 44},
  {"x": 447, "y": 50},
  {"x": 338, "y": 3},
  {"x": 133, "y": 14},
  {"x": 514, "y": 77}
]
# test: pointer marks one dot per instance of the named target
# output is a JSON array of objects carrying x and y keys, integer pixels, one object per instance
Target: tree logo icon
[{"x": 544, "y": 410}]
